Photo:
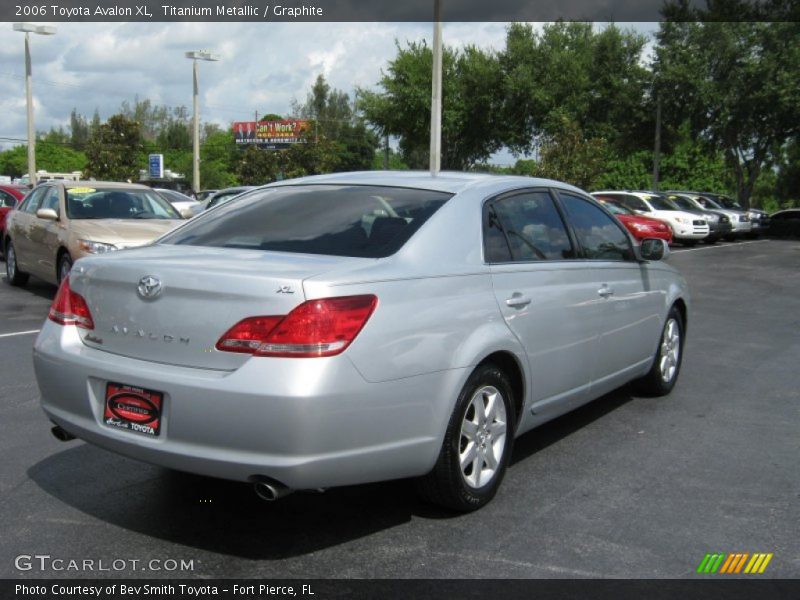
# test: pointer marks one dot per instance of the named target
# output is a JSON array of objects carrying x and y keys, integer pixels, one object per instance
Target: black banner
[
  {"x": 438, "y": 589},
  {"x": 266, "y": 11}
]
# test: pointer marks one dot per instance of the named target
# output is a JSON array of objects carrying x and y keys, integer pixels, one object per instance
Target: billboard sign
[{"x": 272, "y": 135}]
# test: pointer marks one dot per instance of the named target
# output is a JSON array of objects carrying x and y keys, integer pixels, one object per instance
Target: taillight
[
  {"x": 69, "y": 308},
  {"x": 323, "y": 327}
]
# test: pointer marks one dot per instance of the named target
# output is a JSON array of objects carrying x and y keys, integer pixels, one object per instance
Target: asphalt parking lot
[{"x": 625, "y": 487}]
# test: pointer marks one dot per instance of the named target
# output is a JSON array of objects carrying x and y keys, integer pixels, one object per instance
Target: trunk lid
[{"x": 195, "y": 295}]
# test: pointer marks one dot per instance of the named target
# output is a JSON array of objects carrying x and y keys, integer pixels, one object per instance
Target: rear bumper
[{"x": 306, "y": 423}]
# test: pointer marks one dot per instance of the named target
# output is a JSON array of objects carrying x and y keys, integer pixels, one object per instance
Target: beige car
[{"x": 62, "y": 221}]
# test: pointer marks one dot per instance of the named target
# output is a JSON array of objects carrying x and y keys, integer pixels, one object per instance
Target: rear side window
[
  {"x": 600, "y": 237},
  {"x": 7, "y": 200},
  {"x": 525, "y": 227},
  {"x": 334, "y": 220}
]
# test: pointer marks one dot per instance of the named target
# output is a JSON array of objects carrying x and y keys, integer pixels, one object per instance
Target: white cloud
[{"x": 264, "y": 67}]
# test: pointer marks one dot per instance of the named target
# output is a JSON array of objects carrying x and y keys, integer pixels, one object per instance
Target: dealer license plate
[{"x": 133, "y": 408}]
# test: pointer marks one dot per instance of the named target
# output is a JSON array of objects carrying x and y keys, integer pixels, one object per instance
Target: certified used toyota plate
[{"x": 350, "y": 328}]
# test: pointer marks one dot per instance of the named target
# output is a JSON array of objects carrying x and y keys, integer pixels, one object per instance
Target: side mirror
[
  {"x": 654, "y": 249},
  {"x": 47, "y": 213}
]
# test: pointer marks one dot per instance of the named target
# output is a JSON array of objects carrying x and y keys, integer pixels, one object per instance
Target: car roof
[{"x": 446, "y": 181}]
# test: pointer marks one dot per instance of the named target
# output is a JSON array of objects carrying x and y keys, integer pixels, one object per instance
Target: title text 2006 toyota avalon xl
[{"x": 350, "y": 328}]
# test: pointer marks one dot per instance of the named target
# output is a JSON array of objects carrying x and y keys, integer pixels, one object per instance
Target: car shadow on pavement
[
  {"x": 227, "y": 517},
  {"x": 217, "y": 515},
  {"x": 541, "y": 437}
]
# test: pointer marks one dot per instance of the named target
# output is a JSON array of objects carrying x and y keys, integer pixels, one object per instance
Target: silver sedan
[{"x": 350, "y": 328}]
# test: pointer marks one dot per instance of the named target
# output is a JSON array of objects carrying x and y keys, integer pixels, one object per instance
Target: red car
[
  {"x": 10, "y": 197},
  {"x": 641, "y": 227}
]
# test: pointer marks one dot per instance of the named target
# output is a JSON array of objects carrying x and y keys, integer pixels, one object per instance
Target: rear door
[
  {"x": 19, "y": 229},
  {"x": 546, "y": 297}
]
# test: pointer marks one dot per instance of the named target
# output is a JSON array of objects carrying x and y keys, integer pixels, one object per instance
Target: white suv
[{"x": 687, "y": 228}]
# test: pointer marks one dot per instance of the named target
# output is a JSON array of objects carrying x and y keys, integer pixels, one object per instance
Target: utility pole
[
  {"x": 657, "y": 148},
  {"x": 436, "y": 92},
  {"x": 195, "y": 56}
]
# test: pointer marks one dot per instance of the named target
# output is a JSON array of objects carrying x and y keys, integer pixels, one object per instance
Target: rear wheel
[
  {"x": 667, "y": 362},
  {"x": 477, "y": 444},
  {"x": 13, "y": 275}
]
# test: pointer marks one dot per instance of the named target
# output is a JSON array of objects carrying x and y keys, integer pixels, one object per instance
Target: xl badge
[{"x": 149, "y": 286}]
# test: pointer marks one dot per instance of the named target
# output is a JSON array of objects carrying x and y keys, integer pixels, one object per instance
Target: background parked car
[
  {"x": 639, "y": 226},
  {"x": 418, "y": 326},
  {"x": 185, "y": 205},
  {"x": 740, "y": 220},
  {"x": 758, "y": 218},
  {"x": 223, "y": 196},
  {"x": 687, "y": 228},
  {"x": 10, "y": 197},
  {"x": 785, "y": 223},
  {"x": 59, "y": 222},
  {"x": 719, "y": 223}
]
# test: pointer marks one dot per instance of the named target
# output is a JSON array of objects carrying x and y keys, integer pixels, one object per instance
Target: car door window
[
  {"x": 31, "y": 204},
  {"x": 600, "y": 237},
  {"x": 50, "y": 199},
  {"x": 525, "y": 227}
]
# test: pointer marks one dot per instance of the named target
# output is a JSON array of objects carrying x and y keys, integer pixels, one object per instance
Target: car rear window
[{"x": 335, "y": 220}]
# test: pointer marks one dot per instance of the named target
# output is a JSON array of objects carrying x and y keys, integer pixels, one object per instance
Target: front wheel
[
  {"x": 667, "y": 362},
  {"x": 13, "y": 275},
  {"x": 477, "y": 444}
]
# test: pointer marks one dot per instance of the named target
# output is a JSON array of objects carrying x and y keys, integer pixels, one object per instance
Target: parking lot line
[
  {"x": 4, "y": 335},
  {"x": 731, "y": 245}
]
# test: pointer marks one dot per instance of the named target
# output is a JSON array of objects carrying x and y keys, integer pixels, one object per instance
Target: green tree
[
  {"x": 113, "y": 151},
  {"x": 219, "y": 155},
  {"x": 56, "y": 158},
  {"x": 569, "y": 71},
  {"x": 257, "y": 167},
  {"x": 567, "y": 155},
  {"x": 736, "y": 82},
  {"x": 470, "y": 97}
]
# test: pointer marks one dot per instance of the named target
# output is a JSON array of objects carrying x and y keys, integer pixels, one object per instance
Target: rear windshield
[{"x": 335, "y": 220}]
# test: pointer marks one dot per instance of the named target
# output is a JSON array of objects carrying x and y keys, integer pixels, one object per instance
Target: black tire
[
  {"x": 13, "y": 275},
  {"x": 447, "y": 484},
  {"x": 660, "y": 381},
  {"x": 689, "y": 242},
  {"x": 64, "y": 266},
  {"x": 711, "y": 240},
  {"x": 730, "y": 238}
]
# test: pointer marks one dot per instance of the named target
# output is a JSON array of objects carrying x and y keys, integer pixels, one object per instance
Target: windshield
[
  {"x": 173, "y": 196},
  {"x": 659, "y": 203},
  {"x": 335, "y": 220},
  {"x": 99, "y": 203},
  {"x": 708, "y": 202},
  {"x": 728, "y": 203},
  {"x": 682, "y": 202},
  {"x": 614, "y": 208}
]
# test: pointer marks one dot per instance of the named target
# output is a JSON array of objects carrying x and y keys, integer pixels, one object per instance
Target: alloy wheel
[
  {"x": 483, "y": 437},
  {"x": 670, "y": 350}
]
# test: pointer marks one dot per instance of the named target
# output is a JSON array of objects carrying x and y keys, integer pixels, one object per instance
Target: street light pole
[
  {"x": 436, "y": 92},
  {"x": 27, "y": 29},
  {"x": 195, "y": 56}
]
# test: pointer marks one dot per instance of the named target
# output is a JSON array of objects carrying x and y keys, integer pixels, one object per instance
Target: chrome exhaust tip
[
  {"x": 270, "y": 490},
  {"x": 61, "y": 435}
]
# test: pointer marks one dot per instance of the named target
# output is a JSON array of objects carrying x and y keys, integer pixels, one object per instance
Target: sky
[{"x": 263, "y": 67}]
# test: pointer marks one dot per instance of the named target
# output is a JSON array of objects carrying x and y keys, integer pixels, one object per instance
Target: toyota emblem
[{"x": 149, "y": 286}]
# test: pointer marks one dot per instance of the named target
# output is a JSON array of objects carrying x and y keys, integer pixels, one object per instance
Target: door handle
[
  {"x": 517, "y": 300},
  {"x": 605, "y": 291}
]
